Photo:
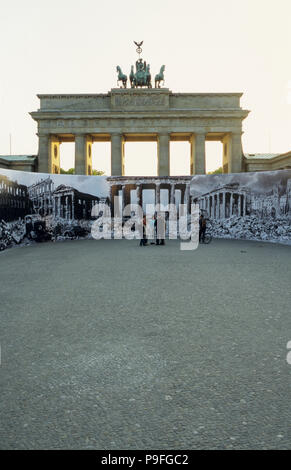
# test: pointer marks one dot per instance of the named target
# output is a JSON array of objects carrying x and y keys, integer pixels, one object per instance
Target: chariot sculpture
[{"x": 141, "y": 77}]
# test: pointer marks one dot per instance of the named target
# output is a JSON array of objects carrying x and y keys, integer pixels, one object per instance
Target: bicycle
[{"x": 207, "y": 238}]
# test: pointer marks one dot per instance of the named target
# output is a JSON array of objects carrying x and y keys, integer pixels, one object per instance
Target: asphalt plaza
[{"x": 108, "y": 345}]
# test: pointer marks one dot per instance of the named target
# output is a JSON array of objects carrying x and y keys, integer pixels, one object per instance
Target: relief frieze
[{"x": 139, "y": 101}]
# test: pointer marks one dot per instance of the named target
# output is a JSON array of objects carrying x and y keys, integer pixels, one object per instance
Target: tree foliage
[
  {"x": 218, "y": 171},
  {"x": 71, "y": 171}
]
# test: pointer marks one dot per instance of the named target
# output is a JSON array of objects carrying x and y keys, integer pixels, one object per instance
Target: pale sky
[{"x": 73, "y": 46}]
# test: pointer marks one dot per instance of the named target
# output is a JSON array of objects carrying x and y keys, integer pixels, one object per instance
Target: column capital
[
  {"x": 56, "y": 138},
  {"x": 116, "y": 134},
  {"x": 199, "y": 133},
  {"x": 80, "y": 134}
]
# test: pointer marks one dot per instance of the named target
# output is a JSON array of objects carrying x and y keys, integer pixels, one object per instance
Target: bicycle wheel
[{"x": 207, "y": 238}]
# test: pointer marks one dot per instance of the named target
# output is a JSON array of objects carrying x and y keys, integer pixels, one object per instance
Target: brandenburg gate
[{"x": 138, "y": 114}]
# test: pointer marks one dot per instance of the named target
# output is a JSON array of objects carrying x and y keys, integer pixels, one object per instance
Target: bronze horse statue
[
  {"x": 121, "y": 77},
  {"x": 131, "y": 77},
  {"x": 160, "y": 77}
]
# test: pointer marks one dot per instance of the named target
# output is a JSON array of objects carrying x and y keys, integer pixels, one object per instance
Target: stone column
[
  {"x": 73, "y": 206},
  {"x": 44, "y": 153},
  {"x": 80, "y": 157},
  {"x": 223, "y": 205},
  {"x": 225, "y": 153},
  {"x": 186, "y": 197},
  {"x": 83, "y": 154},
  {"x": 244, "y": 204},
  {"x": 114, "y": 192},
  {"x": 239, "y": 205},
  {"x": 158, "y": 192},
  {"x": 172, "y": 196},
  {"x": 139, "y": 194},
  {"x": 197, "y": 160},
  {"x": 213, "y": 206},
  {"x": 231, "y": 205},
  {"x": 46, "y": 202},
  {"x": 67, "y": 207},
  {"x": 233, "y": 158},
  {"x": 123, "y": 189},
  {"x": 62, "y": 207},
  {"x": 217, "y": 206},
  {"x": 59, "y": 206},
  {"x": 117, "y": 155},
  {"x": 163, "y": 154}
]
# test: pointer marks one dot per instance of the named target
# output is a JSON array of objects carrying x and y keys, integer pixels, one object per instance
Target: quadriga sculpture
[{"x": 142, "y": 77}]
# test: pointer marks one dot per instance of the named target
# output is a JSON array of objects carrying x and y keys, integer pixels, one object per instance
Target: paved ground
[{"x": 107, "y": 345}]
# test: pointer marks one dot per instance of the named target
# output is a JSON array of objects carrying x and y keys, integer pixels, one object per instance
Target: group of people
[
  {"x": 160, "y": 238},
  {"x": 156, "y": 221}
]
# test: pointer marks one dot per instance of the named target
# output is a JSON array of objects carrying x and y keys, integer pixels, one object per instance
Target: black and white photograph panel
[
  {"x": 252, "y": 206},
  {"x": 36, "y": 207}
]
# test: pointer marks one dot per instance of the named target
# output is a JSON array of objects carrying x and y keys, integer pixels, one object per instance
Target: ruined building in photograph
[
  {"x": 235, "y": 200},
  {"x": 225, "y": 202},
  {"x": 175, "y": 189},
  {"x": 70, "y": 204},
  {"x": 14, "y": 199},
  {"x": 41, "y": 198}
]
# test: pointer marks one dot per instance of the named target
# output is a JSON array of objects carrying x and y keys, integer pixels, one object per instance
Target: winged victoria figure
[{"x": 142, "y": 76}]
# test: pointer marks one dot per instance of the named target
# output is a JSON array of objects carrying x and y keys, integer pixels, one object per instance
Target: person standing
[
  {"x": 153, "y": 228},
  {"x": 202, "y": 228},
  {"x": 143, "y": 241},
  {"x": 160, "y": 228}
]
